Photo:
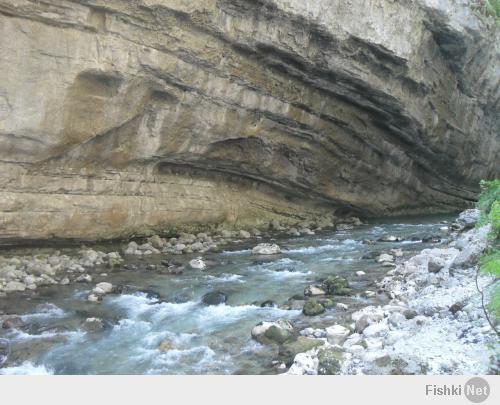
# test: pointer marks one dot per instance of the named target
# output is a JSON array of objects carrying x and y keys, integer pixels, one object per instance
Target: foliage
[
  {"x": 494, "y": 305},
  {"x": 490, "y": 193},
  {"x": 489, "y": 8},
  {"x": 489, "y": 205},
  {"x": 490, "y": 263},
  {"x": 492, "y": 8}
]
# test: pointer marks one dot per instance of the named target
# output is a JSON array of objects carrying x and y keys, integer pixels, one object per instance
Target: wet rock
[
  {"x": 214, "y": 298},
  {"x": 269, "y": 304},
  {"x": 431, "y": 239},
  {"x": 266, "y": 249},
  {"x": 313, "y": 308},
  {"x": 302, "y": 344},
  {"x": 4, "y": 350},
  {"x": 329, "y": 361},
  {"x": 273, "y": 332},
  {"x": 389, "y": 238},
  {"x": 341, "y": 306},
  {"x": 94, "y": 298},
  {"x": 104, "y": 288},
  {"x": 11, "y": 322},
  {"x": 384, "y": 257},
  {"x": 313, "y": 290},
  {"x": 336, "y": 285},
  {"x": 198, "y": 263},
  {"x": 337, "y": 334},
  {"x": 93, "y": 324}
]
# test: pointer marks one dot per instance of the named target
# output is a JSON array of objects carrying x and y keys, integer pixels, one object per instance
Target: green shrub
[
  {"x": 490, "y": 192},
  {"x": 494, "y": 305},
  {"x": 489, "y": 205},
  {"x": 490, "y": 263},
  {"x": 492, "y": 8}
]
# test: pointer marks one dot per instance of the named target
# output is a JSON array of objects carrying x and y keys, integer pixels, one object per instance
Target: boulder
[
  {"x": 197, "y": 263},
  {"x": 313, "y": 308},
  {"x": 105, "y": 287},
  {"x": 93, "y": 324},
  {"x": 266, "y": 249},
  {"x": 291, "y": 348},
  {"x": 337, "y": 334},
  {"x": 384, "y": 257},
  {"x": 273, "y": 332},
  {"x": 336, "y": 285},
  {"x": 214, "y": 298},
  {"x": 312, "y": 291},
  {"x": 304, "y": 364}
]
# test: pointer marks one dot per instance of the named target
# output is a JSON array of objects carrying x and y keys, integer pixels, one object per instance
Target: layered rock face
[{"x": 118, "y": 117}]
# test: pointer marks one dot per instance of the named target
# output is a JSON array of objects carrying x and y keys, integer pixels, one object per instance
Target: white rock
[
  {"x": 93, "y": 298},
  {"x": 343, "y": 307},
  {"x": 337, "y": 334},
  {"x": 384, "y": 257},
  {"x": 105, "y": 287},
  {"x": 13, "y": 286},
  {"x": 312, "y": 290},
  {"x": 266, "y": 249},
  {"x": 197, "y": 263},
  {"x": 375, "y": 330},
  {"x": 304, "y": 364},
  {"x": 360, "y": 273}
]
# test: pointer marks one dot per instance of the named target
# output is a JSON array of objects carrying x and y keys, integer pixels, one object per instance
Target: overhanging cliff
[{"x": 121, "y": 116}]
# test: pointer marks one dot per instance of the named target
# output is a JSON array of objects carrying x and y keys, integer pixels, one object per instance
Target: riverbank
[
  {"x": 433, "y": 324},
  {"x": 193, "y": 312},
  {"x": 20, "y": 273}
]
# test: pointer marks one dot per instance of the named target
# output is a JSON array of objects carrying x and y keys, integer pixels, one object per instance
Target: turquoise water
[{"x": 204, "y": 339}]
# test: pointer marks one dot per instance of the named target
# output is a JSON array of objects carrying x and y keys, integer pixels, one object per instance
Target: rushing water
[{"x": 205, "y": 339}]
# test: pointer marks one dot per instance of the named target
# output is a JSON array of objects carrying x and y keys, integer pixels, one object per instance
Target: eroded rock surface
[{"x": 118, "y": 117}]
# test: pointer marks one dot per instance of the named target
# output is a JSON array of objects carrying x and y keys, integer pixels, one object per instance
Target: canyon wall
[{"x": 119, "y": 117}]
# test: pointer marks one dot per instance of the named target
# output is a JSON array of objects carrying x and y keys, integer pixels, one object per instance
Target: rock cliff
[{"x": 121, "y": 116}]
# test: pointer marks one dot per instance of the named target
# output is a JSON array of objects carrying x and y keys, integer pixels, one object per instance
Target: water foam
[{"x": 26, "y": 368}]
